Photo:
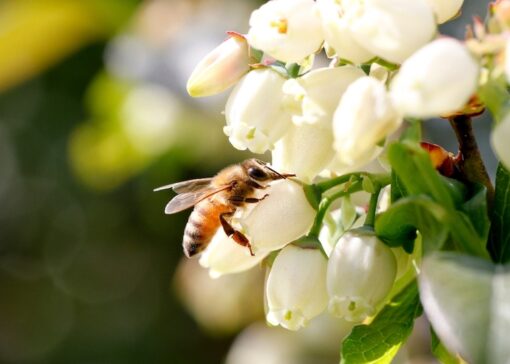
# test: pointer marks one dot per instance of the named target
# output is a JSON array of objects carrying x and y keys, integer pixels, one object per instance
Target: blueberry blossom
[
  {"x": 438, "y": 79},
  {"x": 288, "y": 30},
  {"x": 296, "y": 287},
  {"x": 361, "y": 272},
  {"x": 255, "y": 112}
]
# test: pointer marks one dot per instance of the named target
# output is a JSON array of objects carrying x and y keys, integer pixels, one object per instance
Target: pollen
[
  {"x": 288, "y": 315},
  {"x": 281, "y": 25}
]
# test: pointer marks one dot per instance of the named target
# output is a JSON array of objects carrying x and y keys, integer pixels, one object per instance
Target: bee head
[{"x": 259, "y": 171}]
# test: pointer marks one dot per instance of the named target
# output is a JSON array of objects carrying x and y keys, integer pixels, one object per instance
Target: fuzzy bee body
[
  {"x": 216, "y": 200},
  {"x": 202, "y": 224}
]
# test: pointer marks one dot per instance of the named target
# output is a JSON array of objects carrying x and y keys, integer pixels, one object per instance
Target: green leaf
[
  {"x": 436, "y": 224},
  {"x": 499, "y": 243},
  {"x": 413, "y": 132},
  {"x": 397, "y": 188},
  {"x": 440, "y": 352},
  {"x": 380, "y": 341},
  {"x": 476, "y": 210},
  {"x": 414, "y": 168},
  {"x": 467, "y": 301},
  {"x": 456, "y": 189},
  {"x": 397, "y": 226}
]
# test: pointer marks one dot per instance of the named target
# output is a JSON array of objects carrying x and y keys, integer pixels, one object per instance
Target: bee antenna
[{"x": 283, "y": 176}]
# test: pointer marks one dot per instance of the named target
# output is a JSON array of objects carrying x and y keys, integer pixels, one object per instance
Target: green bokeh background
[{"x": 87, "y": 257}]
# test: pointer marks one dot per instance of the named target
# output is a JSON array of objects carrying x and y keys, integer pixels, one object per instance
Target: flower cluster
[{"x": 387, "y": 62}]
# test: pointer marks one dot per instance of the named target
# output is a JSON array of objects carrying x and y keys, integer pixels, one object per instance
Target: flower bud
[
  {"x": 282, "y": 217},
  {"x": 315, "y": 95},
  {"x": 288, "y": 30},
  {"x": 296, "y": 287},
  {"x": 254, "y": 111},
  {"x": 499, "y": 140},
  {"x": 445, "y": 9},
  {"x": 438, "y": 79},
  {"x": 364, "y": 117},
  {"x": 337, "y": 34},
  {"x": 390, "y": 29},
  {"x": 305, "y": 150},
  {"x": 221, "y": 68},
  {"x": 361, "y": 272},
  {"x": 224, "y": 256}
]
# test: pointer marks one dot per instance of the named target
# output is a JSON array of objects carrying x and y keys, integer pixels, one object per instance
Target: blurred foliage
[
  {"x": 93, "y": 116},
  {"x": 36, "y": 33},
  {"x": 86, "y": 254}
]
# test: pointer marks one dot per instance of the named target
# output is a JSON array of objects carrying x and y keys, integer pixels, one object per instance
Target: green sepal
[{"x": 313, "y": 195}]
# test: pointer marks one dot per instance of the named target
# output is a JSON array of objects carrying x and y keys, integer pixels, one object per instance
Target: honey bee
[{"x": 216, "y": 200}]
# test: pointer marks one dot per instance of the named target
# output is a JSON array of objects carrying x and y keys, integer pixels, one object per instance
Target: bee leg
[
  {"x": 229, "y": 230},
  {"x": 256, "y": 185},
  {"x": 238, "y": 200}
]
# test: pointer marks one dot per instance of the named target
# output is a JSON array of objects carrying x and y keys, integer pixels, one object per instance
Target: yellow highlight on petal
[{"x": 281, "y": 24}]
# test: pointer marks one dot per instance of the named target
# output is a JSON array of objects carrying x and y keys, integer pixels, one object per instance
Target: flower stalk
[
  {"x": 469, "y": 160},
  {"x": 326, "y": 203}
]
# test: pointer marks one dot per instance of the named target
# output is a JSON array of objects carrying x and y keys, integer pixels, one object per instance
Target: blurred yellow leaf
[{"x": 34, "y": 34}]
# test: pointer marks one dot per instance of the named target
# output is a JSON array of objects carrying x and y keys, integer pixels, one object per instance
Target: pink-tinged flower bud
[
  {"x": 288, "y": 30},
  {"x": 361, "y": 272},
  {"x": 438, "y": 79},
  {"x": 221, "y": 68},
  {"x": 296, "y": 287}
]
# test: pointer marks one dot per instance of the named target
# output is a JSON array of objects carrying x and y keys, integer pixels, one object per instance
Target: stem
[
  {"x": 381, "y": 179},
  {"x": 293, "y": 70},
  {"x": 470, "y": 164},
  {"x": 326, "y": 203},
  {"x": 370, "y": 219}
]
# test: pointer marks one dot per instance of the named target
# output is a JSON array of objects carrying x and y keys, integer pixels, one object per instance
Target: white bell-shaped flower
[
  {"x": 315, "y": 95},
  {"x": 499, "y": 140},
  {"x": 361, "y": 272},
  {"x": 296, "y": 287},
  {"x": 438, "y": 79},
  {"x": 337, "y": 34},
  {"x": 445, "y": 9},
  {"x": 288, "y": 30},
  {"x": 390, "y": 29},
  {"x": 224, "y": 256},
  {"x": 305, "y": 150},
  {"x": 254, "y": 112},
  {"x": 364, "y": 117},
  {"x": 282, "y": 217},
  {"x": 221, "y": 68}
]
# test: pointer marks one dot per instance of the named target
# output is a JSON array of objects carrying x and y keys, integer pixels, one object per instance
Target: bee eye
[{"x": 257, "y": 173}]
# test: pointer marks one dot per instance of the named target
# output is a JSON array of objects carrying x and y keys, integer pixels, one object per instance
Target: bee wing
[
  {"x": 187, "y": 186},
  {"x": 186, "y": 200}
]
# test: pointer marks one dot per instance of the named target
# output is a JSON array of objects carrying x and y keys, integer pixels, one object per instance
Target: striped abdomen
[{"x": 202, "y": 225}]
